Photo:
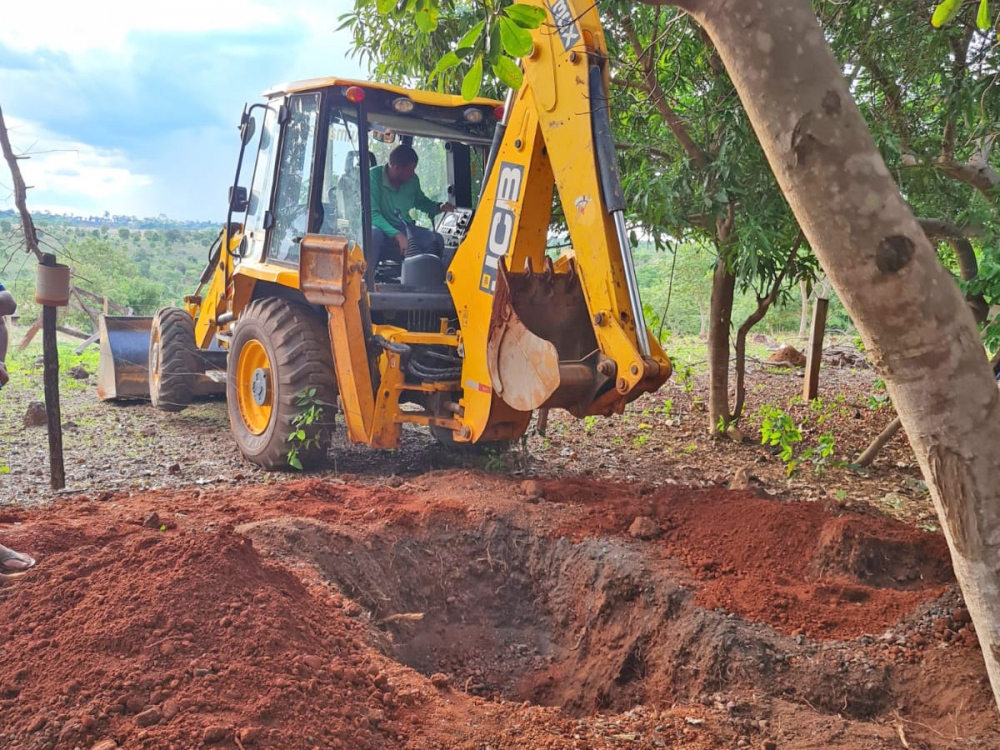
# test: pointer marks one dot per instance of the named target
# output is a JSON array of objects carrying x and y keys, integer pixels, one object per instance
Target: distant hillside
[
  {"x": 148, "y": 263},
  {"x": 108, "y": 219}
]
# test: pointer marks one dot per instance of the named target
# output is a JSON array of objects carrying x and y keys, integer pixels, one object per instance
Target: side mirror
[
  {"x": 247, "y": 129},
  {"x": 238, "y": 199}
]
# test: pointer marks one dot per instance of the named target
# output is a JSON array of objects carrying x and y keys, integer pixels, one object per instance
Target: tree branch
[
  {"x": 935, "y": 228},
  {"x": 20, "y": 192},
  {"x": 651, "y": 86},
  {"x": 976, "y": 173},
  {"x": 968, "y": 267}
]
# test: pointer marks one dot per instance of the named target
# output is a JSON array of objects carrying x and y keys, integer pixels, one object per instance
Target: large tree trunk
[{"x": 885, "y": 272}]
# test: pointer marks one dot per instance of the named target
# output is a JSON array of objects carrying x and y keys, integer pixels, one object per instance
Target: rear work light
[
  {"x": 355, "y": 94},
  {"x": 402, "y": 105},
  {"x": 473, "y": 115}
]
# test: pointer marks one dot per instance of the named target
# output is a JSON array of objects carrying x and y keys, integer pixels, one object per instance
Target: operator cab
[{"x": 316, "y": 144}]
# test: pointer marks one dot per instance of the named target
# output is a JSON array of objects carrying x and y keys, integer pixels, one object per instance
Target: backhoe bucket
[
  {"x": 542, "y": 352},
  {"x": 123, "y": 371}
]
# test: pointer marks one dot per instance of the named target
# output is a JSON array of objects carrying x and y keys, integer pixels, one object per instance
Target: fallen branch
[{"x": 878, "y": 443}]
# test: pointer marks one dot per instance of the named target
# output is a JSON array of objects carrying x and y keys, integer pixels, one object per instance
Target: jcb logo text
[{"x": 509, "y": 181}]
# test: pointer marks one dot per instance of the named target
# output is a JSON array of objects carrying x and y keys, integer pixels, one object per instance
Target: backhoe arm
[{"x": 538, "y": 333}]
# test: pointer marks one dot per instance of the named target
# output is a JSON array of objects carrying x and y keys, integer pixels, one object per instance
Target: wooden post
[
  {"x": 50, "y": 355},
  {"x": 57, "y": 473},
  {"x": 811, "y": 386}
]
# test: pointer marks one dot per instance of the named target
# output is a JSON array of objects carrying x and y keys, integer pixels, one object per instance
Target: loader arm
[
  {"x": 211, "y": 299},
  {"x": 538, "y": 334}
]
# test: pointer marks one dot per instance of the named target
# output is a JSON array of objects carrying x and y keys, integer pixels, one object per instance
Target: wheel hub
[
  {"x": 254, "y": 387},
  {"x": 259, "y": 386}
]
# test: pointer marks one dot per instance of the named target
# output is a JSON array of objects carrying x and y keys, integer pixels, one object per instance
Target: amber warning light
[{"x": 355, "y": 94}]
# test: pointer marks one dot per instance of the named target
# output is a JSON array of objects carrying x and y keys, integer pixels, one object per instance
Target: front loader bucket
[
  {"x": 123, "y": 371},
  {"x": 542, "y": 352}
]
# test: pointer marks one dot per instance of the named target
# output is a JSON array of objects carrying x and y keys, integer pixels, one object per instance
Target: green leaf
[
  {"x": 508, "y": 72},
  {"x": 983, "y": 16},
  {"x": 526, "y": 16},
  {"x": 516, "y": 41},
  {"x": 945, "y": 13},
  {"x": 384, "y": 6},
  {"x": 447, "y": 62},
  {"x": 473, "y": 80},
  {"x": 471, "y": 35},
  {"x": 427, "y": 19},
  {"x": 294, "y": 462}
]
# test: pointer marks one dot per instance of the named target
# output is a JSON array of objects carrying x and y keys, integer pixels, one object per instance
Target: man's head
[{"x": 402, "y": 165}]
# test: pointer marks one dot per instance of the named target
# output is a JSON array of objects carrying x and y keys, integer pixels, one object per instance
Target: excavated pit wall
[{"x": 511, "y": 614}]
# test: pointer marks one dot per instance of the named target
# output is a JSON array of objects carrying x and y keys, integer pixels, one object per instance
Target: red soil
[
  {"x": 182, "y": 633},
  {"x": 801, "y": 567}
]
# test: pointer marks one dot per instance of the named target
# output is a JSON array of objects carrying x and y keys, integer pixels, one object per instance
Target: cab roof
[{"x": 418, "y": 96}]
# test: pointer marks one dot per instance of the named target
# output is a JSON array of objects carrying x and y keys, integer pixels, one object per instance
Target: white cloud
[
  {"x": 135, "y": 106},
  {"x": 65, "y": 175},
  {"x": 105, "y": 24}
]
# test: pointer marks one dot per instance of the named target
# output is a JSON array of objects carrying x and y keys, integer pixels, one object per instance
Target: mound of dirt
[
  {"x": 175, "y": 640},
  {"x": 787, "y": 355}
]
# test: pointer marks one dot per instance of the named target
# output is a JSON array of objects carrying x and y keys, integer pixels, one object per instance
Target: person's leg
[
  {"x": 7, "y": 307},
  {"x": 378, "y": 247},
  {"x": 383, "y": 248}
]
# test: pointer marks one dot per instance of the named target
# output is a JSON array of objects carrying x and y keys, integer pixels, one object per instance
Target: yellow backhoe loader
[{"x": 291, "y": 319}]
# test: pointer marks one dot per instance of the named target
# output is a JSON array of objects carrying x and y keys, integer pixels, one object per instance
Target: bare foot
[{"x": 14, "y": 562}]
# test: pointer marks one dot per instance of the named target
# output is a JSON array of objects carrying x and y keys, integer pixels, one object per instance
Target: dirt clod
[
  {"x": 214, "y": 734},
  {"x": 532, "y": 490},
  {"x": 250, "y": 735},
  {"x": 440, "y": 681},
  {"x": 149, "y": 717},
  {"x": 35, "y": 415},
  {"x": 644, "y": 527}
]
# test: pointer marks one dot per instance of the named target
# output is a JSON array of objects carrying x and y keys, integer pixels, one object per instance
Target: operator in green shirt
[{"x": 395, "y": 191}]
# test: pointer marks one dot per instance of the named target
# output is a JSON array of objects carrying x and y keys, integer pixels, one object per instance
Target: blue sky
[{"x": 132, "y": 108}]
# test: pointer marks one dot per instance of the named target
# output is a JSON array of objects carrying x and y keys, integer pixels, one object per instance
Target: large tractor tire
[
  {"x": 280, "y": 349},
  {"x": 173, "y": 359}
]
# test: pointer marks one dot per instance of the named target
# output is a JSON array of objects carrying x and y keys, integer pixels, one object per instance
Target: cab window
[{"x": 291, "y": 200}]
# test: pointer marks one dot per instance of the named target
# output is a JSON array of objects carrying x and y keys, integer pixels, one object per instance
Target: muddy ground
[{"x": 602, "y": 586}]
